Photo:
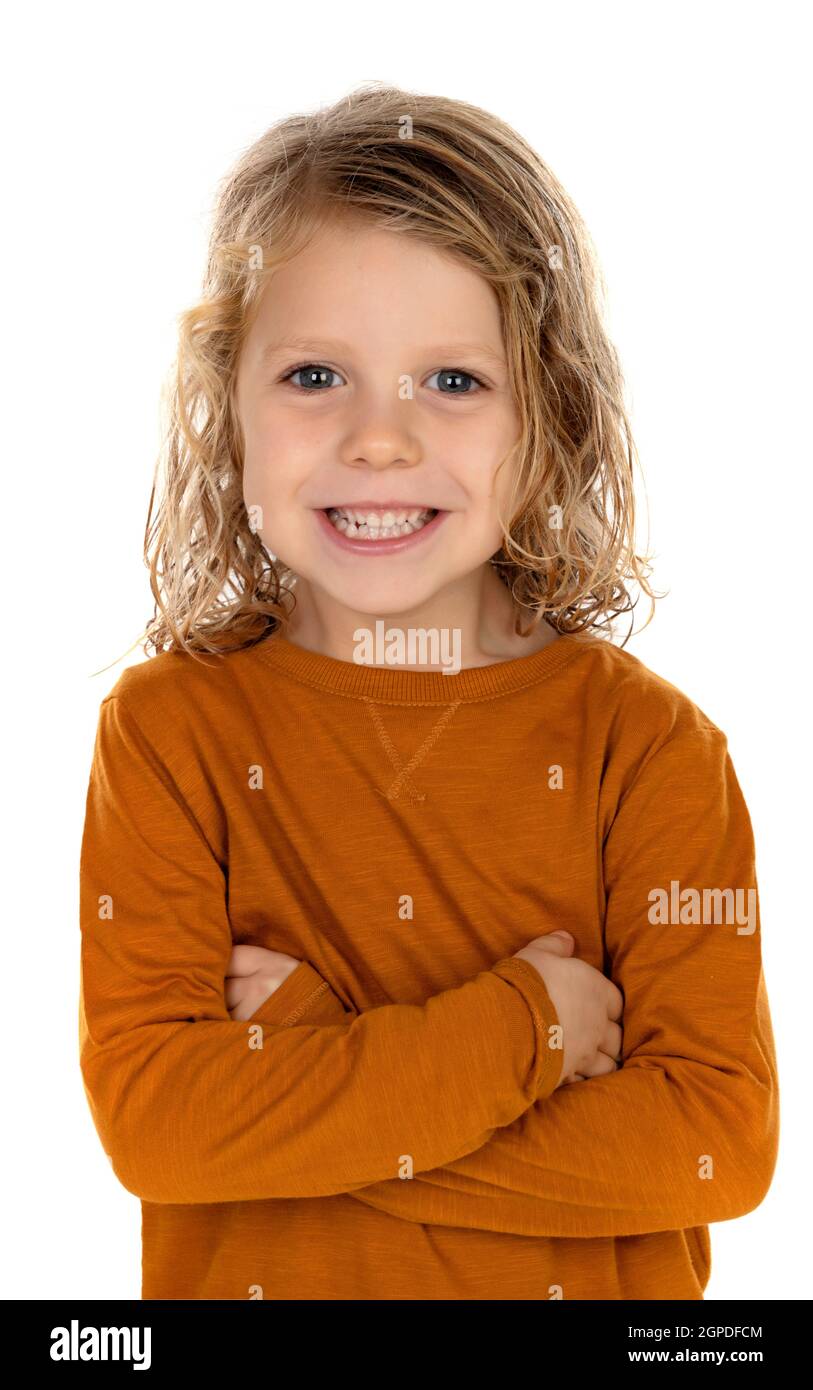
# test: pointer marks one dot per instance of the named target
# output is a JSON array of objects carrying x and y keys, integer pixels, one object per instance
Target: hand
[
  {"x": 587, "y": 1004},
  {"x": 252, "y": 975}
]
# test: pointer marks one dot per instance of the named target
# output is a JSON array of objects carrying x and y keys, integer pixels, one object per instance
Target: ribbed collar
[{"x": 397, "y": 686}]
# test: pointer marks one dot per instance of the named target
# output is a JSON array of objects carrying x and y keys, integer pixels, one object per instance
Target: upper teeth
[{"x": 354, "y": 521}]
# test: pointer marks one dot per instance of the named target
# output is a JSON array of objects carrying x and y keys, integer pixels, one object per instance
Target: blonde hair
[{"x": 462, "y": 180}]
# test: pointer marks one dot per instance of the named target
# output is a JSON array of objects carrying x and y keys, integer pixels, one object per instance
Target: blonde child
[{"x": 420, "y": 938}]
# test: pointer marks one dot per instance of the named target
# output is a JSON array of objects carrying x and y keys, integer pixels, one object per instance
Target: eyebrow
[{"x": 439, "y": 350}]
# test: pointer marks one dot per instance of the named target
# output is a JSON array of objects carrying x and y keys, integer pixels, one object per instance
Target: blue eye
[
  {"x": 314, "y": 374},
  {"x": 456, "y": 379}
]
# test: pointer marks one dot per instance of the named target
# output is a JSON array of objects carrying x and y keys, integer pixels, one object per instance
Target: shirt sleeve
[
  {"x": 304, "y": 996},
  {"x": 192, "y": 1106},
  {"x": 685, "y": 1132}
]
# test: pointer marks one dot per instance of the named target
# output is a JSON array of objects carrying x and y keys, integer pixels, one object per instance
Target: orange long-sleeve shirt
[{"x": 389, "y": 1124}]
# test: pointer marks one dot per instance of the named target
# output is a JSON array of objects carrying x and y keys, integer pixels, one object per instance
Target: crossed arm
[
  {"x": 306, "y": 1100},
  {"x": 686, "y": 1131},
  {"x": 193, "y": 1106}
]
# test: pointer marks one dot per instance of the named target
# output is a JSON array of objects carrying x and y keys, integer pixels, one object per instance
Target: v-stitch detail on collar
[{"x": 403, "y": 780}]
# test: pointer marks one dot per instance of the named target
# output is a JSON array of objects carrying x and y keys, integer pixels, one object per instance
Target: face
[{"x": 373, "y": 391}]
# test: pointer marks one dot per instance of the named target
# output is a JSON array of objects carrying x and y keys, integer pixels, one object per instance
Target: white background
[{"x": 681, "y": 133}]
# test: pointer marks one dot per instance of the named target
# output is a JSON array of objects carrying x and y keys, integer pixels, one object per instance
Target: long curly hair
[{"x": 464, "y": 181}]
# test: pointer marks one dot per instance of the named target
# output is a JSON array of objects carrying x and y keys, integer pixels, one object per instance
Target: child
[{"x": 331, "y": 1033}]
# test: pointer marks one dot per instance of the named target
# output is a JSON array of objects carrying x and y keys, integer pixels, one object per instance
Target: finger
[
  {"x": 247, "y": 960},
  {"x": 615, "y": 1001},
  {"x": 560, "y": 941},
  {"x": 242, "y": 1010},
  {"x": 600, "y": 1065},
  {"x": 612, "y": 1041},
  {"x": 235, "y": 991}
]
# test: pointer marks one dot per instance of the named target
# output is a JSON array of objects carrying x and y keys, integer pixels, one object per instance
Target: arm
[
  {"x": 192, "y": 1106},
  {"x": 686, "y": 1131}
]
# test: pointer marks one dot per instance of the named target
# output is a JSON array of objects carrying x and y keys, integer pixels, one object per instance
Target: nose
[{"x": 381, "y": 437}]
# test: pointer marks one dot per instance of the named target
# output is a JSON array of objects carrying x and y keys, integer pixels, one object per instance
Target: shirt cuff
[
  {"x": 304, "y": 996},
  {"x": 547, "y": 1064}
]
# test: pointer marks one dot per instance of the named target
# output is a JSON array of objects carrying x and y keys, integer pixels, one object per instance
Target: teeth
[{"x": 375, "y": 526}]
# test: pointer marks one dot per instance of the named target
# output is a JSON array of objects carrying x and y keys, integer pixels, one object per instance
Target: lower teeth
[{"x": 363, "y": 532}]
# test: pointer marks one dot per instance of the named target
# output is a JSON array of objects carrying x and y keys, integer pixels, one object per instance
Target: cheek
[
  {"x": 257, "y": 493},
  {"x": 490, "y": 536},
  {"x": 262, "y": 498},
  {"x": 266, "y": 474},
  {"x": 279, "y": 455},
  {"x": 269, "y": 494},
  {"x": 490, "y": 493},
  {"x": 488, "y": 486}
]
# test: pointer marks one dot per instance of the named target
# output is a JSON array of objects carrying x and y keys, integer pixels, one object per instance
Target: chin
[{"x": 383, "y": 598}]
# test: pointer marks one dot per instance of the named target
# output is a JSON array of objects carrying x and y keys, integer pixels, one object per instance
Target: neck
[{"x": 475, "y": 618}]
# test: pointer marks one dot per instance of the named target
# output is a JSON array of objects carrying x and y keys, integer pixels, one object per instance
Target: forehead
[{"x": 356, "y": 276}]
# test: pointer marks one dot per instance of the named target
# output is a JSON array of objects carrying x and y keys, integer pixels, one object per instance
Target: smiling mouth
[{"x": 367, "y": 524}]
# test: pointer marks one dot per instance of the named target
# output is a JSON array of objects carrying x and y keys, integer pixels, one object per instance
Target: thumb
[
  {"x": 560, "y": 940},
  {"x": 565, "y": 938}
]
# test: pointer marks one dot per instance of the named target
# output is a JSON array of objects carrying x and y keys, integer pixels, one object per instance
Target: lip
[
  {"x": 393, "y": 544},
  {"x": 393, "y": 505}
]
